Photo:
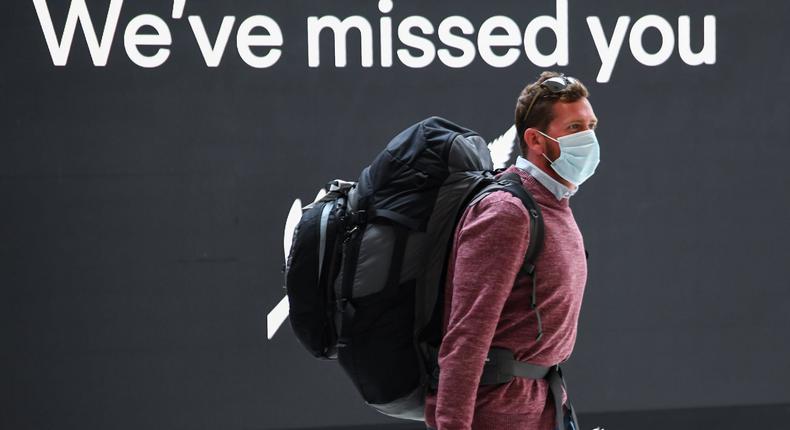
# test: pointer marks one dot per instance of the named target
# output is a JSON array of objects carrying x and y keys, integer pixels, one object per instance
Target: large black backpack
[{"x": 367, "y": 264}]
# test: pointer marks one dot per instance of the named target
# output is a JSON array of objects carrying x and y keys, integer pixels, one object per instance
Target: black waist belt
[{"x": 501, "y": 367}]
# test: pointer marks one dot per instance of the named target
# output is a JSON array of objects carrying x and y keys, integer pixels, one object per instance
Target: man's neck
[
  {"x": 557, "y": 188},
  {"x": 543, "y": 164}
]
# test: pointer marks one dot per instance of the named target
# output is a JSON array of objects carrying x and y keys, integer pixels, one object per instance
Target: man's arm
[{"x": 490, "y": 249}]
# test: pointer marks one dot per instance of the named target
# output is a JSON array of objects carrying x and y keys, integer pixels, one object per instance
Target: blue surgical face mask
[{"x": 579, "y": 156}]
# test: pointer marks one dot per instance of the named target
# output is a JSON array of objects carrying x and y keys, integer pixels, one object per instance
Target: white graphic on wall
[{"x": 501, "y": 149}]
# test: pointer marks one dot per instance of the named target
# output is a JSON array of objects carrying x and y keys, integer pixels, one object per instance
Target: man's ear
[{"x": 531, "y": 140}]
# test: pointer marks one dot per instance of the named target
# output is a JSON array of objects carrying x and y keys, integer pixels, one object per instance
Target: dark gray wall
[{"x": 142, "y": 211}]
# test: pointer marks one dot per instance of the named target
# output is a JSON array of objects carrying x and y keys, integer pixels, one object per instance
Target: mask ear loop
[
  {"x": 543, "y": 153},
  {"x": 546, "y": 135}
]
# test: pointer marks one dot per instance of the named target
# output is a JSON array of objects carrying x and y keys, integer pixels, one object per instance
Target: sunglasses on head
[{"x": 555, "y": 85}]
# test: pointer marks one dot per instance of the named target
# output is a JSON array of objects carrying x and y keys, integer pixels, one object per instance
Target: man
[{"x": 487, "y": 303}]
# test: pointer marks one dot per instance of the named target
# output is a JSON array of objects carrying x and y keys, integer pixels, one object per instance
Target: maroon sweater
[{"x": 483, "y": 309}]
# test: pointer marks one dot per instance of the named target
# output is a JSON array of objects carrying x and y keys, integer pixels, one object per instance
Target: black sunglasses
[{"x": 556, "y": 85}]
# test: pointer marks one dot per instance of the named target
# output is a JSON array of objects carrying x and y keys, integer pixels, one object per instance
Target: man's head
[{"x": 556, "y": 106}]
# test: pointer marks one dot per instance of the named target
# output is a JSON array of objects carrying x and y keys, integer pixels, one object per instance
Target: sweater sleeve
[{"x": 490, "y": 246}]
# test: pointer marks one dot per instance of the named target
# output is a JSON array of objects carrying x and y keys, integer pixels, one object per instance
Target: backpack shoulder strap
[{"x": 512, "y": 184}]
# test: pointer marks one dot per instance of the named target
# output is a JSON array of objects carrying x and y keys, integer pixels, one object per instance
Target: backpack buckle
[
  {"x": 344, "y": 306},
  {"x": 358, "y": 218},
  {"x": 350, "y": 233},
  {"x": 529, "y": 269}
]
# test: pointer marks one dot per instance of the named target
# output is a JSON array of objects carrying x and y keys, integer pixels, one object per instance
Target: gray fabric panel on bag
[
  {"x": 410, "y": 407},
  {"x": 439, "y": 232},
  {"x": 414, "y": 262},
  {"x": 469, "y": 153},
  {"x": 375, "y": 256},
  {"x": 371, "y": 273},
  {"x": 353, "y": 199}
]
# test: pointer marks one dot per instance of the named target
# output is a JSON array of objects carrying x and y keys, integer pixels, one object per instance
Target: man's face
[{"x": 569, "y": 118}]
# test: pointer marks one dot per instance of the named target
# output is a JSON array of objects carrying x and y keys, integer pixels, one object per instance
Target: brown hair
[{"x": 542, "y": 113}]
